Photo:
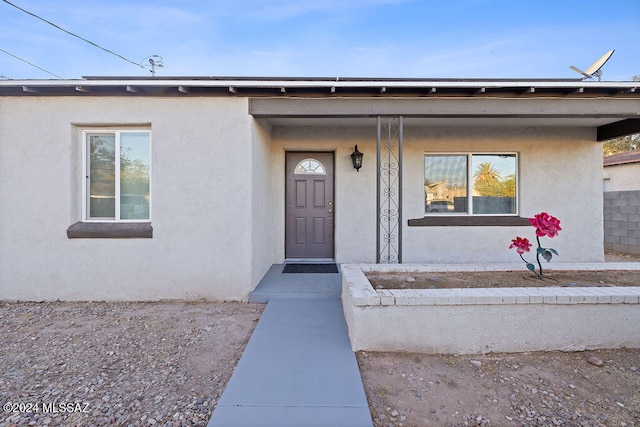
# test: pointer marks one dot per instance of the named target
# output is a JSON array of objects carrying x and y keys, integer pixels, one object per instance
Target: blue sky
[{"x": 323, "y": 38}]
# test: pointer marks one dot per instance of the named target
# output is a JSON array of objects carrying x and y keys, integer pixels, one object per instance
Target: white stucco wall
[
  {"x": 218, "y": 178},
  {"x": 622, "y": 177},
  {"x": 262, "y": 202},
  {"x": 559, "y": 172},
  {"x": 201, "y": 201}
]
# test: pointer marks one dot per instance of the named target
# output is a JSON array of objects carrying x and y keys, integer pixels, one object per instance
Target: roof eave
[{"x": 321, "y": 83}]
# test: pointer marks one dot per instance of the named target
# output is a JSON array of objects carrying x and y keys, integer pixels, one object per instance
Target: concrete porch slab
[{"x": 308, "y": 285}]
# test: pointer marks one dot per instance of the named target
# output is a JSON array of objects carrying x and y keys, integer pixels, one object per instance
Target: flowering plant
[{"x": 545, "y": 225}]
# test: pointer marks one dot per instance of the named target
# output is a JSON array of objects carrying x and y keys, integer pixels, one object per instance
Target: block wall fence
[{"x": 622, "y": 221}]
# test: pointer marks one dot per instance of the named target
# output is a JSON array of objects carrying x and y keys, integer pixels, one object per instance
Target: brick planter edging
[{"x": 483, "y": 320}]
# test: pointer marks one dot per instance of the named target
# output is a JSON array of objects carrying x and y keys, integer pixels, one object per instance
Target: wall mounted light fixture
[{"x": 356, "y": 158}]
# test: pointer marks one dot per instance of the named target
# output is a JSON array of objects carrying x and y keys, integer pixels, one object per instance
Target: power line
[
  {"x": 33, "y": 65},
  {"x": 71, "y": 34}
]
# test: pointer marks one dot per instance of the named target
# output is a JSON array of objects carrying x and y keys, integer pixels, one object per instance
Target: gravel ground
[
  {"x": 591, "y": 388},
  {"x": 124, "y": 364},
  {"x": 141, "y": 364}
]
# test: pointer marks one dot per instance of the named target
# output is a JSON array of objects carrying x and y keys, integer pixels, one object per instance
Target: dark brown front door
[{"x": 309, "y": 205}]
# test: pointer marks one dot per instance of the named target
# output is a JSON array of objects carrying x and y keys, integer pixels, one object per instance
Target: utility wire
[
  {"x": 71, "y": 34},
  {"x": 33, "y": 65}
]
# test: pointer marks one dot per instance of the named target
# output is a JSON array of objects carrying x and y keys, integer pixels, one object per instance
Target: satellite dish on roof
[{"x": 595, "y": 68}]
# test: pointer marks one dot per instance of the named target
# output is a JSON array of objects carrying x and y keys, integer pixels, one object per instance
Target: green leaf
[
  {"x": 531, "y": 267},
  {"x": 540, "y": 250},
  {"x": 554, "y": 251},
  {"x": 547, "y": 255}
]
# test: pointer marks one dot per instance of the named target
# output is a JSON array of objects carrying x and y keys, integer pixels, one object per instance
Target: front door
[{"x": 309, "y": 205}]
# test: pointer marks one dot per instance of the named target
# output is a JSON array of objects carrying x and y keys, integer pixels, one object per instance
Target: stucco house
[
  {"x": 189, "y": 188},
  {"x": 622, "y": 171}
]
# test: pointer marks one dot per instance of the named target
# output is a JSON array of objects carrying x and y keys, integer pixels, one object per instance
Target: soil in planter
[{"x": 502, "y": 279}]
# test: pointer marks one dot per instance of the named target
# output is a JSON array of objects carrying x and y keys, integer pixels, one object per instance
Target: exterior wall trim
[
  {"x": 104, "y": 230},
  {"x": 469, "y": 221}
]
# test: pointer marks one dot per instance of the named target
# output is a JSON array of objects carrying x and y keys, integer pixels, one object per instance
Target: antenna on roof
[
  {"x": 595, "y": 68},
  {"x": 154, "y": 61}
]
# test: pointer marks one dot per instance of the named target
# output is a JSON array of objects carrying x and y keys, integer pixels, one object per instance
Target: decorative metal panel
[{"x": 389, "y": 190}]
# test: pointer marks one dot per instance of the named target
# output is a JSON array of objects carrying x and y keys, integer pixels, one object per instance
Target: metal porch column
[{"x": 389, "y": 190}]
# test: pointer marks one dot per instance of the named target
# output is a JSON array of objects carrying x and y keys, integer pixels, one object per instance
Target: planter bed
[{"x": 467, "y": 321}]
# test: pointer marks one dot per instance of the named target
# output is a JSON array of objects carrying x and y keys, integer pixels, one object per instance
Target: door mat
[{"x": 310, "y": 268}]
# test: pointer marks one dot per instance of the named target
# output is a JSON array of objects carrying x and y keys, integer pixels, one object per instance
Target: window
[
  {"x": 310, "y": 167},
  {"x": 118, "y": 171},
  {"x": 470, "y": 184}
]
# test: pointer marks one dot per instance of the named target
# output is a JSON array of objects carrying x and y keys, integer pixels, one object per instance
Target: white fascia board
[{"x": 302, "y": 83}]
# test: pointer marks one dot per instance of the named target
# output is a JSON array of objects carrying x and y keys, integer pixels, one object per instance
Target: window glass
[
  {"x": 477, "y": 184},
  {"x": 134, "y": 176},
  {"x": 445, "y": 184},
  {"x": 494, "y": 184},
  {"x": 118, "y": 175},
  {"x": 102, "y": 178},
  {"x": 310, "y": 167}
]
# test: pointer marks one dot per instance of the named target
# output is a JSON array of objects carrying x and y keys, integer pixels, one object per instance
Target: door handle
[{"x": 330, "y": 210}]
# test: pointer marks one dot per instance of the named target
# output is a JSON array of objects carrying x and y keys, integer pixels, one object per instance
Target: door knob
[{"x": 330, "y": 210}]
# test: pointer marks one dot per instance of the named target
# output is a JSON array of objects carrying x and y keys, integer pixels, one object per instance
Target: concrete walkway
[{"x": 298, "y": 368}]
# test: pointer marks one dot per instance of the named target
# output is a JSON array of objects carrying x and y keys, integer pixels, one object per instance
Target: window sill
[
  {"x": 110, "y": 230},
  {"x": 469, "y": 221}
]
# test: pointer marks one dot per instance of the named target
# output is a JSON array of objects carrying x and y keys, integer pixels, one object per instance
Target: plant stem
[
  {"x": 526, "y": 262},
  {"x": 538, "y": 256}
]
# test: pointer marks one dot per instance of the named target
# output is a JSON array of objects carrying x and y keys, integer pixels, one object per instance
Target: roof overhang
[
  {"x": 612, "y": 117},
  {"x": 611, "y": 107},
  {"x": 290, "y": 86}
]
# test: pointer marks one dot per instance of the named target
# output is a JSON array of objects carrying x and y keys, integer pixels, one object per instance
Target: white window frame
[
  {"x": 85, "y": 174},
  {"x": 469, "y": 155}
]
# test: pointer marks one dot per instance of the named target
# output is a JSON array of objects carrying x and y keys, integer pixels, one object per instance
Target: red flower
[
  {"x": 545, "y": 224},
  {"x": 521, "y": 244}
]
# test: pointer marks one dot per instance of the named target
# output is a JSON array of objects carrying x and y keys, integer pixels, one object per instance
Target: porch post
[
  {"x": 400, "y": 140},
  {"x": 378, "y": 140},
  {"x": 389, "y": 190}
]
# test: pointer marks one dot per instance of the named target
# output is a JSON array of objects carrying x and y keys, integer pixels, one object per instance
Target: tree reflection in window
[
  {"x": 124, "y": 158},
  {"x": 102, "y": 178},
  {"x": 477, "y": 184},
  {"x": 310, "y": 167}
]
